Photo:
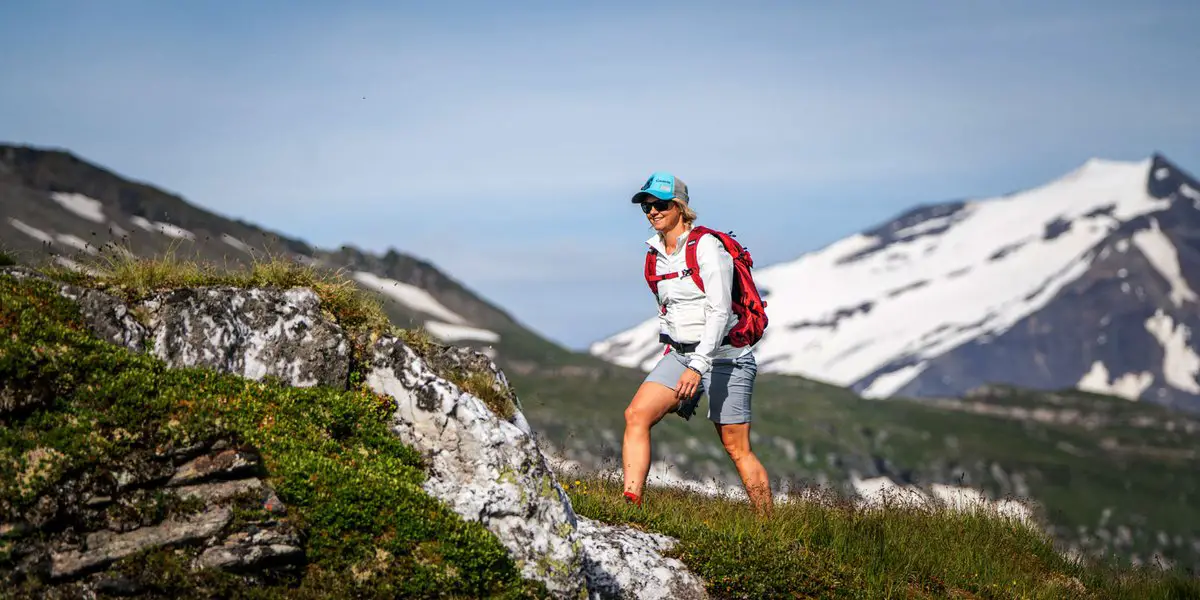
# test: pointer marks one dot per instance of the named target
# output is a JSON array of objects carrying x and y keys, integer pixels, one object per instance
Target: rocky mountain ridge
[
  {"x": 1087, "y": 281},
  {"x": 56, "y": 207}
]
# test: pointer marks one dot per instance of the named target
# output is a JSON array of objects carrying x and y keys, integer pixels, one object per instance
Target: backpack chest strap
[{"x": 675, "y": 275}]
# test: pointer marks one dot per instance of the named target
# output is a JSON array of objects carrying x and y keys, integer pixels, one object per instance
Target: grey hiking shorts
[{"x": 729, "y": 385}]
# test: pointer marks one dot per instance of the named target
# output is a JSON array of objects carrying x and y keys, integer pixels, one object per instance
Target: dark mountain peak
[
  {"x": 1168, "y": 180},
  {"x": 920, "y": 221}
]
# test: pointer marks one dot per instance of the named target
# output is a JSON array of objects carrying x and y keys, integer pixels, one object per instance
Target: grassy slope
[
  {"x": 832, "y": 550},
  {"x": 835, "y": 433}
]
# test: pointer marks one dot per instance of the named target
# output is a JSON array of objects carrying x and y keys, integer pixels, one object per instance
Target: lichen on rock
[{"x": 253, "y": 333}]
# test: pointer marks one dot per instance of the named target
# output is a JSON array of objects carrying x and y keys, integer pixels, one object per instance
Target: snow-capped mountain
[{"x": 1088, "y": 281}]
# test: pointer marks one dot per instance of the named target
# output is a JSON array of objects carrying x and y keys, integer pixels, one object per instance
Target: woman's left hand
[{"x": 688, "y": 382}]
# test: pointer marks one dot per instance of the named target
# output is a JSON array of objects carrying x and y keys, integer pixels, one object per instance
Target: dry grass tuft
[{"x": 132, "y": 278}]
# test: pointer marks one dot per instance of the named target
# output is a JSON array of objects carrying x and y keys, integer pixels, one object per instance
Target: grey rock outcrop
[
  {"x": 104, "y": 547},
  {"x": 64, "y": 553},
  {"x": 486, "y": 467},
  {"x": 623, "y": 562},
  {"x": 253, "y": 333}
]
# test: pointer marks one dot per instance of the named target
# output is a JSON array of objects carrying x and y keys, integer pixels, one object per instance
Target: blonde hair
[{"x": 686, "y": 212}]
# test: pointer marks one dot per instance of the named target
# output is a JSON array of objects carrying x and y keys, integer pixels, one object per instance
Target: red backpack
[{"x": 748, "y": 305}]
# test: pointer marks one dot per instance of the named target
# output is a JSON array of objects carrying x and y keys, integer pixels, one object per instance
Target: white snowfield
[
  {"x": 449, "y": 326},
  {"x": 408, "y": 295},
  {"x": 460, "y": 333},
  {"x": 87, "y": 208},
  {"x": 914, "y": 300},
  {"x": 31, "y": 231},
  {"x": 164, "y": 228},
  {"x": 236, "y": 243}
]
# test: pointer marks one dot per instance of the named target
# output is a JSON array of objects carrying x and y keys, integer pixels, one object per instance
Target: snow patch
[
  {"x": 1161, "y": 173},
  {"x": 885, "y": 385},
  {"x": 881, "y": 491},
  {"x": 76, "y": 242},
  {"x": 88, "y": 208},
  {"x": 236, "y": 243},
  {"x": 409, "y": 295},
  {"x": 1188, "y": 192},
  {"x": 453, "y": 333},
  {"x": 31, "y": 231},
  {"x": 163, "y": 228},
  {"x": 174, "y": 231},
  {"x": 1129, "y": 386},
  {"x": 636, "y": 348},
  {"x": 1161, "y": 253},
  {"x": 1180, "y": 363}
]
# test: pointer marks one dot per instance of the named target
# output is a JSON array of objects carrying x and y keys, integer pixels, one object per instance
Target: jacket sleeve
[{"x": 716, "y": 270}]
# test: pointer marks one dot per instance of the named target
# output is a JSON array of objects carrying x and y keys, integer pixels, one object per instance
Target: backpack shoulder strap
[
  {"x": 689, "y": 254},
  {"x": 651, "y": 278}
]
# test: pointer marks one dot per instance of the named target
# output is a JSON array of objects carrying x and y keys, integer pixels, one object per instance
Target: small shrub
[{"x": 483, "y": 386}]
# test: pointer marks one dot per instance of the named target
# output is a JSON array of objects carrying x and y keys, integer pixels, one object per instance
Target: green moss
[{"x": 351, "y": 487}]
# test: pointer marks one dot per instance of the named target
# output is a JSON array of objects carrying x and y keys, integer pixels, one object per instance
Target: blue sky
[{"x": 502, "y": 141}]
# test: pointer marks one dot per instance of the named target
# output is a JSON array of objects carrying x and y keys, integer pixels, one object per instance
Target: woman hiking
[{"x": 694, "y": 323}]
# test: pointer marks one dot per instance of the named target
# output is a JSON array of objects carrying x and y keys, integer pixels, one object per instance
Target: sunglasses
[{"x": 659, "y": 205}]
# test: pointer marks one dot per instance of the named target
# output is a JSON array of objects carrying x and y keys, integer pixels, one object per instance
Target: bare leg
[
  {"x": 649, "y": 405},
  {"x": 736, "y": 439}
]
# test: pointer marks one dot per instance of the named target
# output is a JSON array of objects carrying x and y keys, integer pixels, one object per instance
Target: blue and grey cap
[{"x": 664, "y": 186}]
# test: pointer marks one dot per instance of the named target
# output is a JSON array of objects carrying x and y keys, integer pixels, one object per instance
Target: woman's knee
[
  {"x": 736, "y": 440},
  {"x": 635, "y": 415}
]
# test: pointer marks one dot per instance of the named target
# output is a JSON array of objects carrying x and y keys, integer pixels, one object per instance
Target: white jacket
[{"x": 692, "y": 315}]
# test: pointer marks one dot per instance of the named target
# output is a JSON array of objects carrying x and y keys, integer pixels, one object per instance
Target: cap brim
[{"x": 640, "y": 197}]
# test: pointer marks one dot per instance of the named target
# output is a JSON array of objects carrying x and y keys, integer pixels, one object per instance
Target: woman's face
[{"x": 662, "y": 214}]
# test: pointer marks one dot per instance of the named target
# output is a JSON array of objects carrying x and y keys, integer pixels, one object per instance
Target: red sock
[{"x": 632, "y": 497}]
